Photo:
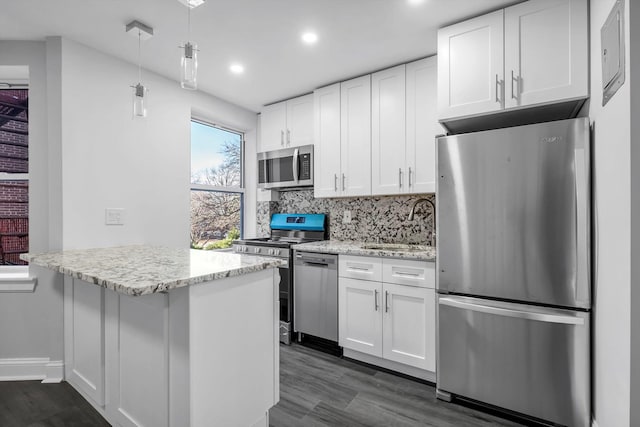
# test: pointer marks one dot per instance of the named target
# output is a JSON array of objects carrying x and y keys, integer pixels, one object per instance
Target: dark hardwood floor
[
  {"x": 33, "y": 404},
  {"x": 318, "y": 389}
]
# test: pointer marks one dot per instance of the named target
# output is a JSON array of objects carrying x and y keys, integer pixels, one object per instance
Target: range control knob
[
  {"x": 276, "y": 251},
  {"x": 256, "y": 250},
  {"x": 245, "y": 249}
]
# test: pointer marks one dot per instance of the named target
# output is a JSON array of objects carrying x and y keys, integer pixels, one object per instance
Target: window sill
[{"x": 16, "y": 279}]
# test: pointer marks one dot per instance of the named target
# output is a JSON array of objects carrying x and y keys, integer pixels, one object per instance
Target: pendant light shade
[
  {"x": 189, "y": 66},
  {"x": 189, "y": 60},
  {"x": 139, "y": 102}
]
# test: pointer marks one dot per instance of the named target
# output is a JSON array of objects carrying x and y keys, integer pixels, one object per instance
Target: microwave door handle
[{"x": 295, "y": 164}]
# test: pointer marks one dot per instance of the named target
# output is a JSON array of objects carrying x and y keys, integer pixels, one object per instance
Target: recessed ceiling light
[
  {"x": 309, "y": 37},
  {"x": 237, "y": 68},
  {"x": 415, "y": 2}
]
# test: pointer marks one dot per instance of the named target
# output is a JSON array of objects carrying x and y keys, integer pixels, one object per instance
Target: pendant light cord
[
  {"x": 188, "y": 23},
  {"x": 139, "y": 56}
]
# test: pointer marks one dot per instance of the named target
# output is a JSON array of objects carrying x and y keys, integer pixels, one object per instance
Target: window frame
[
  {"x": 221, "y": 189},
  {"x": 17, "y": 278}
]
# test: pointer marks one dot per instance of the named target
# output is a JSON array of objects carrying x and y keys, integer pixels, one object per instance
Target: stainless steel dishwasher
[{"x": 315, "y": 294}]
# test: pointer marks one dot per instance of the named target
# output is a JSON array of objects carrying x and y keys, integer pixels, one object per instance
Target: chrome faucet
[{"x": 431, "y": 240}]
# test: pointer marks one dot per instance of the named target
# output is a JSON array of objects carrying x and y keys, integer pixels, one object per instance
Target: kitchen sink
[{"x": 403, "y": 247}]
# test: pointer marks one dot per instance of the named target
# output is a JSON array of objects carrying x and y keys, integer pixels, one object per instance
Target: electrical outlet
[
  {"x": 346, "y": 217},
  {"x": 114, "y": 216}
]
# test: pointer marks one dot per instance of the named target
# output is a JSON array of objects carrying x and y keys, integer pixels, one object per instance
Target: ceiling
[{"x": 355, "y": 37}]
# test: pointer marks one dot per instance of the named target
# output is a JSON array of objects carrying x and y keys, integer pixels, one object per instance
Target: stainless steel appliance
[
  {"x": 286, "y": 230},
  {"x": 315, "y": 279},
  {"x": 514, "y": 269},
  {"x": 289, "y": 167}
]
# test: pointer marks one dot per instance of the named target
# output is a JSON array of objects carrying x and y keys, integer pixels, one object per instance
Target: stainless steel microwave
[{"x": 289, "y": 167}]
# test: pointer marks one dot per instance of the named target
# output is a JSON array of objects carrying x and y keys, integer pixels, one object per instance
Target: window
[
  {"x": 216, "y": 185},
  {"x": 14, "y": 175}
]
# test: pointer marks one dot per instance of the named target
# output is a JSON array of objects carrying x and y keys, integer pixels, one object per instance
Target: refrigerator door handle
[
  {"x": 582, "y": 225},
  {"x": 503, "y": 309}
]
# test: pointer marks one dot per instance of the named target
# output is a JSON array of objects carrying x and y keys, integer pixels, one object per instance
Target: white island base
[{"x": 199, "y": 355}]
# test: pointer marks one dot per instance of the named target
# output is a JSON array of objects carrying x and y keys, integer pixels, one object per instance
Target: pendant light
[
  {"x": 189, "y": 60},
  {"x": 143, "y": 32}
]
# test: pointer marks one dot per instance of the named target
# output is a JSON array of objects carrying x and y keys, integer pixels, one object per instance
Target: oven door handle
[{"x": 296, "y": 153}]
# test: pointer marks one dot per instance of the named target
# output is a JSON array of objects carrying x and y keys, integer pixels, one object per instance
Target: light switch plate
[
  {"x": 114, "y": 216},
  {"x": 346, "y": 217}
]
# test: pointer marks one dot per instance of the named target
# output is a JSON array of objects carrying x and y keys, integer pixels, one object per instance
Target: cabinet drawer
[
  {"x": 409, "y": 272},
  {"x": 357, "y": 267}
]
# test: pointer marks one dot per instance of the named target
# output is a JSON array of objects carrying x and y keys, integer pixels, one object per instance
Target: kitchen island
[{"x": 170, "y": 337}]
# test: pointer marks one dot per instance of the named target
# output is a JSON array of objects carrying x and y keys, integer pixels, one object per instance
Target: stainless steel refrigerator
[{"x": 513, "y": 281}]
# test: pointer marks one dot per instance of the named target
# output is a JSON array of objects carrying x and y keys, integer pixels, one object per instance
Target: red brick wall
[{"x": 14, "y": 195}]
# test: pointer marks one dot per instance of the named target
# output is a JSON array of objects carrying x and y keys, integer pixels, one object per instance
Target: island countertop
[{"x": 142, "y": 270}]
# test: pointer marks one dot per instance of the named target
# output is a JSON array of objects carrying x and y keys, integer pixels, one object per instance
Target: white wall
[
  {"x": 612, "y": 186},
  {"x": 143, "y": 166},
  {"x": 31, "y": 323}
]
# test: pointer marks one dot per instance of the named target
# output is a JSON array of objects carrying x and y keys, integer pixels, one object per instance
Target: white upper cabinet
[
  {"x": 287, "y": 124},
  {"x": 355, "y": 152},
  {"x": 273, "y": 123},
  {"x": 388, "y": 141},
  {"x": 545, "y": 51},
  {"x": 300, "y": 121},
  {"x": 327, "y": 142},
  {"x": 470, "y": 66},
  {"x": 422, "y": 125},
  {"x": 404, "y": 127},
  {"x": 533, "y": 53}
]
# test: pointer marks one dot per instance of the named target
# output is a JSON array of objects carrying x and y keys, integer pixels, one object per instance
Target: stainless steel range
[{"x": 286, "y": 230}]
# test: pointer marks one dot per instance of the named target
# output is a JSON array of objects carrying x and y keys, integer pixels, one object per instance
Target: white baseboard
[{"x": 35, "y": 368}]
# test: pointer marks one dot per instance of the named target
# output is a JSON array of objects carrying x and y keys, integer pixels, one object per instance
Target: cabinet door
[
  {"x": 471, "y": 67},
  {"x": 409, "y": 325},
  {"x": 355, "y": 157},
  {"x": 360, "y": 315},
  {"x": 326, "y": 149},
  {"x": 273, "y": 125},
  {"x": 546, "y": 51},
  {"x": 84, "y": 337},
  {"x": 388, "y": 119},
  {"x": 422, "y": 125},
  {"x": 299, "y": 121}
]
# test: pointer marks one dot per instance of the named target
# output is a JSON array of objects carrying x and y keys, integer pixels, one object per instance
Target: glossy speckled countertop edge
[
  {"x": 142, "y": 270},
  {"x": 344, "y": 247}
]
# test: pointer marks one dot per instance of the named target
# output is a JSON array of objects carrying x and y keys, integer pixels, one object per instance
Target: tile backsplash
[{"x": 383, "y": 217}]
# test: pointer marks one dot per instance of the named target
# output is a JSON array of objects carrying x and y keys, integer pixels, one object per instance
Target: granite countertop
[
  {"x": 142, "y": 270},
  {"x": 389, "y": 250}
]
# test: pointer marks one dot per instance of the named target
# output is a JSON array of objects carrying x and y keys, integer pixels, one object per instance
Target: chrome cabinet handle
[
  {"x": 400, "y": 177},
  {"x": 296, "y": 152},
  {"x": 409, "y": 177},
  {"x": 498, "y": 100},
  {"x": 288, "y": 137},
  {"x": 282, "y": 137},
  {"x": 386, "y": 301},
  {"x": 375, "y": 300},
  {"x": 515, "y": 94},
  {"x": 343, "y": 185},
  {"x": 401, "y": 273},
  {"x": 335, "y": 182}
]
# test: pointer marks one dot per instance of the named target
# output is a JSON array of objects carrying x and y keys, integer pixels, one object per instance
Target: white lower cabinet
[
  {"x": 170, "y": 359},
  {"x": 360, "y": 320},
  {"x": 409, "y": 325},
  {"x": 391, "y": 321}
]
